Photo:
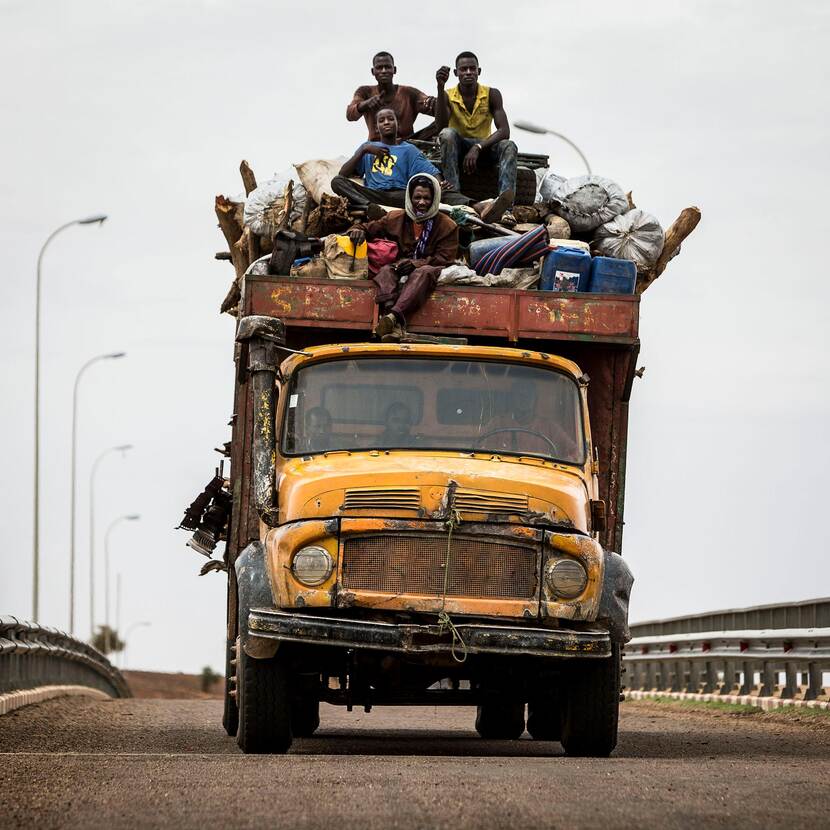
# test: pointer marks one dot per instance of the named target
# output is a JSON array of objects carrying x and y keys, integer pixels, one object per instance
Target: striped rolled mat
[{"x": 519, "y": 250}]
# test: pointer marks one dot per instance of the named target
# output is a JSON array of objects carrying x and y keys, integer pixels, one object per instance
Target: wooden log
[
  {"x": 248, "y": 177},
  {"x": 229, "y": 219},
  {"x": 679, "y": 231}
]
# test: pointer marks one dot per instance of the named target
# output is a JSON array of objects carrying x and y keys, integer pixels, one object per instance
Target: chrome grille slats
[
  {"x": 390, "y": 498},
  {"x": 488, "y": 501},
  {"x": 414, "y": 564}
]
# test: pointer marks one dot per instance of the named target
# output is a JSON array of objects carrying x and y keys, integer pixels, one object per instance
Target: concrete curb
[
  {"x": 765, "y": 703},
  {"x": 23, "y": 697}
]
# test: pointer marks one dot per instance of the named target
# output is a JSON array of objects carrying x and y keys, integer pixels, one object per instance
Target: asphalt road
[{"x": 134, "y": 763}]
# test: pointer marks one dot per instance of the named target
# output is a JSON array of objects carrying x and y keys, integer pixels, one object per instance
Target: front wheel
[
  {"x": 592, "y": 706},
  {"x": 263, "y": 690},
  {"x": 230, "y": 716}
]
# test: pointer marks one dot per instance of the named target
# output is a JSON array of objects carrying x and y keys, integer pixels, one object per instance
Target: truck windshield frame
[{"x": 491, "y": 406}]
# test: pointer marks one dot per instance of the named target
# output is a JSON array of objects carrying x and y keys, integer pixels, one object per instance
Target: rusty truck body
[{"x": 429, "y": 522}]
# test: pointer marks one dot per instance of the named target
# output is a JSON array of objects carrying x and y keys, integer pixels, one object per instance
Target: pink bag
[{"x": 381, "y": 252}]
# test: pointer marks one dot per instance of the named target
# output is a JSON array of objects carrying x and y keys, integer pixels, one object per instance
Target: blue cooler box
[
  {"x": 566, "y": 269},
  {"x": 613, "y": 276}
]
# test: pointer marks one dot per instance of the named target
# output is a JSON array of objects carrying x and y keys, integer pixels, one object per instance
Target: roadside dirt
[{"x": 162, "y": 686}]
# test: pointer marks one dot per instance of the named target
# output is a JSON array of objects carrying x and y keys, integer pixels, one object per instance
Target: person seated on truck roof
[
  {"x": 427, "y": 242},
  {"x": 386, "y": 166},
  {"x": 466, "y": 114},
  {"x": 405, "y": 101}
]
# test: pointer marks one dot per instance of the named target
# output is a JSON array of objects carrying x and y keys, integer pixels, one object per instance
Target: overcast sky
[{"x": 144, "y": 110}]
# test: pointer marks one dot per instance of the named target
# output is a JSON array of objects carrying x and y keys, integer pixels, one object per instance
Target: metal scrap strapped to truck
[{"x": 425, "y": 522}]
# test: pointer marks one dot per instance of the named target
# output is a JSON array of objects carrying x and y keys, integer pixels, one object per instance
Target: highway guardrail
[
  {"x": 33, "y": 656},
  {"x": 719, "y": 654}
]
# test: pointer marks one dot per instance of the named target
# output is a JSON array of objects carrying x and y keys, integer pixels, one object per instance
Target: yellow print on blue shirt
[{"x": 384, "y": 165}]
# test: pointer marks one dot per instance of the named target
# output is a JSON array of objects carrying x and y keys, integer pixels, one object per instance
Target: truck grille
[
  {"x": 379, "y": 498},
  {"x": 414, "y": 564},
  {"x": 486, "y": 501}
]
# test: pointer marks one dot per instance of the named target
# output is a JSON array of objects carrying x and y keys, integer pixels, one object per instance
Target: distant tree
[
  {"x": 209, "y": 677},
  {"x": 106, "y": 640}
]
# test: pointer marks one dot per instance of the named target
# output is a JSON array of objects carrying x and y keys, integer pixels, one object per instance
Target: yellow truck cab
[{"x": 428, "y": 522}]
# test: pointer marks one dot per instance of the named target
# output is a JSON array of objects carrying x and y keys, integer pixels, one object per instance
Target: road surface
[{"x": 133, "y": 763}]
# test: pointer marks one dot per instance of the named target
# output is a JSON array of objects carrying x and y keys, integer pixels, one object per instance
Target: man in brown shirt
[
  {"x": 427, "y": 242},
  {"x": 406, "y": 101}
]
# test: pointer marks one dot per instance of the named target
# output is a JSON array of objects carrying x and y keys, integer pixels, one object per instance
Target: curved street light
[
  {"x": 120, "y": 448},
  {"x": 90, "y": 220},
  {"x": 529, "y": 127},
  {"x": 109, "y": 356},
  {"x": 129, "y": 517}
]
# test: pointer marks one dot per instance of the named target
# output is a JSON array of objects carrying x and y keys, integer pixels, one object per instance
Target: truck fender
[
  {"x": 253, "y": 591},
  {"x": 616, "y": 592}
]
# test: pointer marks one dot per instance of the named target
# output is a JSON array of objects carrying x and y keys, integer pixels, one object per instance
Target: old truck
[{"x": 428, "y": 522}]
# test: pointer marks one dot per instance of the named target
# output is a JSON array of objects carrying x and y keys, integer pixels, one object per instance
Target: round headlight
[
  {"x": 566, "y": 578},
  {"x": 312, "y": 565}
]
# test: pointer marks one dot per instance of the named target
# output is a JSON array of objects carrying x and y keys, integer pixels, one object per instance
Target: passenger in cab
[
  {"x": 405, "y": 101},
  {"x": 427, "y": 242},
  {"x": 386, "y": 166},
  {"x": 466, "y": 113},
  {"x": 317, "y": 429},
  {"x": 398, "y": 426}
]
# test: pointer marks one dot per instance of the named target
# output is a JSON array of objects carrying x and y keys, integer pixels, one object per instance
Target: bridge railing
[
  {"x": 724, "y": 653},
  {"x": 32, "y": 656}
]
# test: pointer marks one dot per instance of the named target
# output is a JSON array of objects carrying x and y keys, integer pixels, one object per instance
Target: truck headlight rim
[
  {"x": 566, "y": 577},
  {"x": 312, "y": 565}
]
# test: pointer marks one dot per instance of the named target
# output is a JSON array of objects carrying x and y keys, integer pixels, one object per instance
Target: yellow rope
[{"x": 444, "y": 621}]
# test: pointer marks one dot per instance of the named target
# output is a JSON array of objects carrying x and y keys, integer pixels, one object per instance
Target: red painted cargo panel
[{"x": 488, "y": 312}]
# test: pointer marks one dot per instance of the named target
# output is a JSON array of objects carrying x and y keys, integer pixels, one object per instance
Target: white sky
[{"x": 144, "y": 110}]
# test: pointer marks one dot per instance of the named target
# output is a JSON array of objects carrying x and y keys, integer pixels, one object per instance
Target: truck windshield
[{"x": 433, "y": 404}]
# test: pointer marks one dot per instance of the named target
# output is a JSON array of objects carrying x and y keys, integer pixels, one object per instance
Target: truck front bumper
[{"x": 340, "y": 632}]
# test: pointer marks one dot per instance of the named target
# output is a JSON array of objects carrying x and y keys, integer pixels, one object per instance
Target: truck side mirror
[{"x": 598, "y": 520}]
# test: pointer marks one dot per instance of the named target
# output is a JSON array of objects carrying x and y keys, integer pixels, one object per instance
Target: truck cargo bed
[{"x": 464, "y": 311}]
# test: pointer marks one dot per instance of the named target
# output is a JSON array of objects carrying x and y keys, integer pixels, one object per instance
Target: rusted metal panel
[
  {"x": 549, "y": 314},
  {"x": 485, "y": 312},
  {"x": 312, "y": 302},
  {"x": 458, "y": 311}
]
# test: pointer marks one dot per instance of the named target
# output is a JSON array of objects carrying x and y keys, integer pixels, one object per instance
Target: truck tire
[
  {"x": 544, "y": 717},
  {"x": 305, "y": 718},
  {"x": 500, "y": 720},
  {"x": 230, "y": 717},
  {"x": 263, "y": 688},
  {"x": 589, "y": 726}
]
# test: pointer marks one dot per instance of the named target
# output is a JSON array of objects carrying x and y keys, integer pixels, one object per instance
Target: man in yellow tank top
[{"x": 466, "y": 113}]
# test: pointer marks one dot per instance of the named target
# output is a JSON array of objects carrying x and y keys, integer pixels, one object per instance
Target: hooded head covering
[{"x": 427, "y": 180}]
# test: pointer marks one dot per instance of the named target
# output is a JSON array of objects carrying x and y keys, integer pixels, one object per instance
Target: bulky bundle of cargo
[{"x": 599, "y": 240}]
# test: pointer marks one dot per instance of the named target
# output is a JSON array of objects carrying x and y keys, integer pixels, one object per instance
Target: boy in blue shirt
[{"x": 386, "y": 167}]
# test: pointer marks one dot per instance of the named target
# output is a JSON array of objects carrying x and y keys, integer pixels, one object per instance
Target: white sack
[{"x": 635, "y": 235}]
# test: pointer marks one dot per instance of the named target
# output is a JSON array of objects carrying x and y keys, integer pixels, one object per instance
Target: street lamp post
[
  {"x": 130, "y": 517},
  {"x": 127, "y": 640},
  {"x": 110, "y": 356},
  {"x": 90, "y": 220},
  {"x": 120, "y": 448},
  {"x": 528, "y": 127}
]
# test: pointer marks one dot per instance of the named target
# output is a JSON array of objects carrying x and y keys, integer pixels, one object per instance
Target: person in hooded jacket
[{"x": 427, "y": 242}]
